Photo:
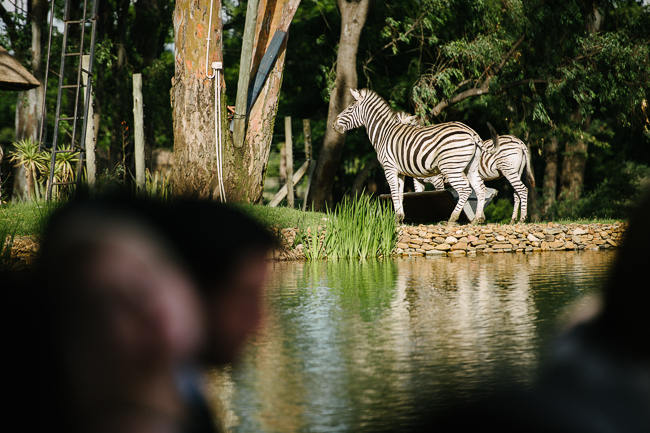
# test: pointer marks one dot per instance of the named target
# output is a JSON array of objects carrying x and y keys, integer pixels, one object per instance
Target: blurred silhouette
[
  {"x": 124, "y": 315},
  {"x": 129, "y": 300},
  {"x": 226, "y": 253}
]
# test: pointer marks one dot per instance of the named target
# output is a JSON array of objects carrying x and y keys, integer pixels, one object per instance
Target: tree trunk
[
  {"x": 549, "y": 187},
  {"x": 353, "y": 17},
  {"x": 574, "y": 160},
  {"x": 194, "y": 169},
  {"x": 192, "y": 94},
  {"x": 29, "y": 104}
]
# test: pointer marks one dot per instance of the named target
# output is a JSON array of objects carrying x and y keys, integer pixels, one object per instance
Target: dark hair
[{"x": 213, "y": 239}]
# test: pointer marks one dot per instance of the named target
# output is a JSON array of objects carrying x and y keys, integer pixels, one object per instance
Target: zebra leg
[
  {"x": 521, "y": 194},
  {"x": 479, "y": 187},
  {"x": 515, "y": 208},
  {"x": 460, "y": 183},
  {"x": 438, "y": 182},
  {"x": 418, "y": 185},
  {"x": 396, "y": 184}
]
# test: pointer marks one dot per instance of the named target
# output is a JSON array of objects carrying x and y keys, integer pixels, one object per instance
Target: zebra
[
  {"x": 450, "y": 148},
  {"x": 510, "y": 161}
]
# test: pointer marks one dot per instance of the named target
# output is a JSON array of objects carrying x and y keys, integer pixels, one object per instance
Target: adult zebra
[
  {"x": 510, "y": 160},
  {"x": 451, "y": 148}
]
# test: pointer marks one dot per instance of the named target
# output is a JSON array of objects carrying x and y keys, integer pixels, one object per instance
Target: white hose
[
  {"x": 217, "y": 66},
  {"x": 216, "y": 76}
]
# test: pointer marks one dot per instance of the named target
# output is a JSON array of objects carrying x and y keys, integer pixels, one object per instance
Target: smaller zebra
[{"x": 510, "y": 161}]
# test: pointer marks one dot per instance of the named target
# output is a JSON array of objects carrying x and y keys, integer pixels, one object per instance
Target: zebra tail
[
  {"x": 495, "y": 139},
  {"x": 530, "y": 176}
]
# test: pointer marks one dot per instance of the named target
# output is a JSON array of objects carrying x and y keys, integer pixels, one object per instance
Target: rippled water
[{"x": 350, "y": 346}]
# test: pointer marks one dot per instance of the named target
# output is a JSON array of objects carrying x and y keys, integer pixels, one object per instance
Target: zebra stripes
[
  {"x": 510, "y": 161},
  {"x": 452, "y": 149}
]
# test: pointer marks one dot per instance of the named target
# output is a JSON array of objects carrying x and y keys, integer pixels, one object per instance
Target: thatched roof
[{"x": 13, "y": 76}]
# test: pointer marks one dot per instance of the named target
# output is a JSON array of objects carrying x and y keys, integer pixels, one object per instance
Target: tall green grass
[{"x": 357, "y": 227}]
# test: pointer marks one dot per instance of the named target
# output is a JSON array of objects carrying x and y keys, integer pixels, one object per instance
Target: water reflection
[{"x": 352, "y": 347}]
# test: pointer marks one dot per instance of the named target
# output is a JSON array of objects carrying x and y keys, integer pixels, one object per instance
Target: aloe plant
[{"x": 26, "y": 154}]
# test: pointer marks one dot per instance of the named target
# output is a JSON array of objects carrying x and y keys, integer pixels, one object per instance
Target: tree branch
[{"x": 481, "y": 89}]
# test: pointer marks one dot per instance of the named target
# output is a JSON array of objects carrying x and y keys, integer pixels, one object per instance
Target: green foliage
[
  {"x": 360, "y": 227},
  {"x": 499, "y": 211},
  {"x": 613, "y": 198},
  {"x": 25, "y": 218}
]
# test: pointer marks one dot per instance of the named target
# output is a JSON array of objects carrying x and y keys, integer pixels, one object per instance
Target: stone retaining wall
[
  {"x": 424, "y": 240},
  {"x": 495, "y": 238}
]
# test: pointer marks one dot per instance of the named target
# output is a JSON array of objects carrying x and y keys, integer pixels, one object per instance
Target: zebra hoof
[
  {"x": 477, "y": 221},
  {"x": 451, "y": 223},
  {"x": 399, "y": 217}
]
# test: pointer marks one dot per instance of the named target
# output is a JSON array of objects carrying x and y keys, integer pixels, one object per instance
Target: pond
[{"x": 349, "y": 346}]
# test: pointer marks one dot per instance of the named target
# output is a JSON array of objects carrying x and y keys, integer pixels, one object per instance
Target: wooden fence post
[
  {"x": 138, "y": 131},
  {"x": 241, "y": 114},
  {"x": 306, "y": 129},
  {"x": 91, "y": 165},
  {"x": 289, "y": 158}
]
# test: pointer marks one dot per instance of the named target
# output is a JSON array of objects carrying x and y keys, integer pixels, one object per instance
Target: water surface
[{"x": 349, "y": 346}]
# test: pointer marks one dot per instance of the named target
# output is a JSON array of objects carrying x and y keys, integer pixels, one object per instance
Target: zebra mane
[{"x": 380, "y": 104}]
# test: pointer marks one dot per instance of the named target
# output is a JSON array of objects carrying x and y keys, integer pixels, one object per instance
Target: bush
[{"x": 613, "y": 198}]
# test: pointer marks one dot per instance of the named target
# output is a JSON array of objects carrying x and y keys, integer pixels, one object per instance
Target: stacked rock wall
[{"x": 495, "y": 238}]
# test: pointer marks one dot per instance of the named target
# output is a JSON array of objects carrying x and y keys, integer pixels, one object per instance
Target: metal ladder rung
[
  {"x": 71, "y": 86},
  {"x": 85, "y": 20},
  {"x": 73, "y": 54},
  {"x": 70, "y": 118}
]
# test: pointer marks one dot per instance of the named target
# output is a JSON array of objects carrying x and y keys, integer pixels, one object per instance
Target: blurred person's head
[
  {"x": 125, "y": 312},
  {"x": 227, "y": 252}
]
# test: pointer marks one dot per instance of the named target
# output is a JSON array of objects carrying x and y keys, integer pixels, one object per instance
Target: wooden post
[
  {"x": 138, "y": 131},
  {"x": 91, "y": 165},
  {"x": 289, "y": 158},
  {"x": 245, "y": 59},
  {"x": 306, "y": 129}
]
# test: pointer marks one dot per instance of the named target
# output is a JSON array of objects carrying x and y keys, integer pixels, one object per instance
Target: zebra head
[{"x": 351, "y": 118}]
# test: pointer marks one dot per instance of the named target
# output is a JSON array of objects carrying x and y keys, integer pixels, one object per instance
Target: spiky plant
[{"x": 25, "y": 153}]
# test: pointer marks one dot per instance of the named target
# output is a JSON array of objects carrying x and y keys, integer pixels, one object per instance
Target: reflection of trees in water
[{"x": 348, "y": 344}]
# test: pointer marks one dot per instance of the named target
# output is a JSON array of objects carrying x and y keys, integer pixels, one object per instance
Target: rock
[
  {"x": 579, "y": 231},
  {"x": 500, "y": 238},
  {"x": 612, "y": 242},
  {"x": 532, "y": 238},
  {"x": 502, "y": 246},
  {"x": 458, "y": 253},
  {"x": 443, "y": 247},
  {"x": 427, "y": 247},
  {"x": 479, "y": 242},
  {"x": 439, "y": 240},
  {"x": 416, "y": 241},
  {"x": 549, "y": 238},
  {"x": 414, "y": 245},
  {"x": 451, "y": 240},
  {"x": 553, "y": 231},
  {"x": 556, "y": 244},
  {"x": 402, "y": 245},
  {"x": 592, "y": 247},
  {"x": 459, "y": 246},
  {"x": 472, "y": 238},
  {"x": 570, "y": 246},
  {"x": 435, "y": 253}
]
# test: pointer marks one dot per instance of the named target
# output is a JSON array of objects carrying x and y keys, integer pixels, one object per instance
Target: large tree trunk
[
  {"x": 574, "y": 160},
  {"x": 353, "y": 17},
  {"x": 192, "y": 94},
  {"x": 194, "y": 169},
  {"x": 549, "y": 187},
  {"x": 29, "y": 105}
]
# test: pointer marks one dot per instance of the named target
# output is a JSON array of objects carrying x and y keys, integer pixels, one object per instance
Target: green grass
[
  {"x": 282, "y": 217},
  {"x": 23, "y": 218}
]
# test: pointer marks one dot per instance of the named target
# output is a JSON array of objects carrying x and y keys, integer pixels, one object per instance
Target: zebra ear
[
  {"x": 411, "y": 119},
  {"x": 355, "y": 94}
]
